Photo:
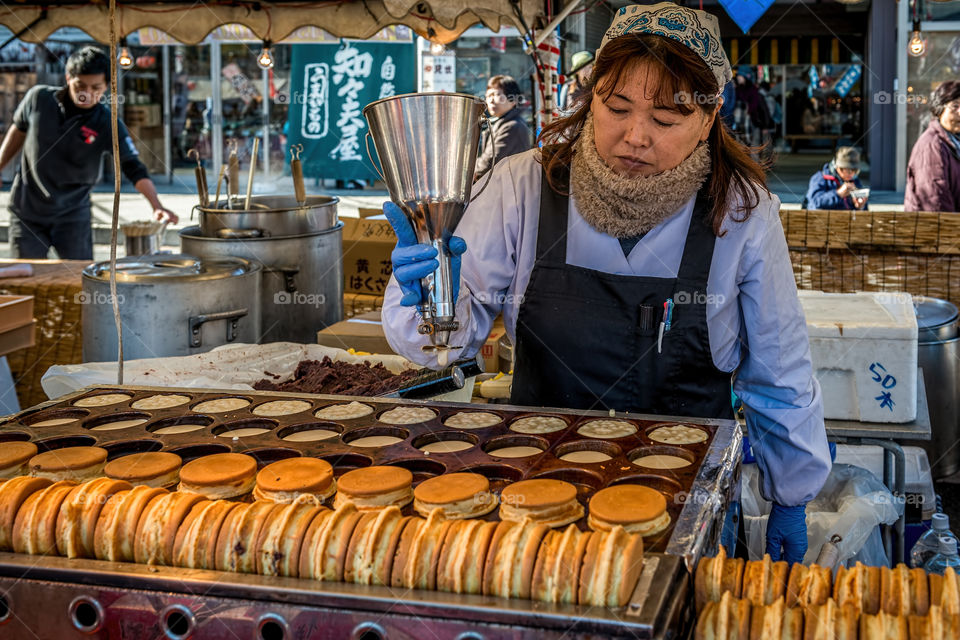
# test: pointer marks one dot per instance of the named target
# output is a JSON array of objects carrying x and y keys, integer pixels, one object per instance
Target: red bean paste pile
[{"x": 339, "y": 378}]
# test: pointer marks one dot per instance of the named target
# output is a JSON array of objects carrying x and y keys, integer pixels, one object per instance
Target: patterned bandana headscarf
[{"x": 697, "y": 30}]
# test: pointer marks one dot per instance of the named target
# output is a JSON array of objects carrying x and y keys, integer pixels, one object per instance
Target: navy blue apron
[{"x": 588, "y": 340}]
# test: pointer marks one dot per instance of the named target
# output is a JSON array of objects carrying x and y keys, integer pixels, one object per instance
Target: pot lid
[
  {"x": 169, "y": 267},
  {"x": 933, "y": 312}
]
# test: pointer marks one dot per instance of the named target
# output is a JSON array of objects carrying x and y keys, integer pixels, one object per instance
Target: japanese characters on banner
[
  {"x": 439, "y": 73},
  {"x": 330, "y": 86}
]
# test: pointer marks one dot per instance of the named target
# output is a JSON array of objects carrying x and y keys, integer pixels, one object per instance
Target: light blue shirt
[{"x": 756, "y": 325}]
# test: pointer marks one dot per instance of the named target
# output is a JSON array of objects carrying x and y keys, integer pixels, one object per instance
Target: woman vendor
[{"x": 639, "y": 263}]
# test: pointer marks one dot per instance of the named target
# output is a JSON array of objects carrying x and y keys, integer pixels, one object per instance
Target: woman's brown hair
[{"x": 686, "y": 84}]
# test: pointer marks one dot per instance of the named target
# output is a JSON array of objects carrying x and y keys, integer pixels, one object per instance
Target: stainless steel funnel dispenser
[{"x": 427, "y": 144}]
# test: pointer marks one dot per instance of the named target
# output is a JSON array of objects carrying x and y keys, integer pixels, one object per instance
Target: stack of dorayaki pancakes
[
  {"x": 740, "y": 600},
  {"x": 218, "y": 512}
]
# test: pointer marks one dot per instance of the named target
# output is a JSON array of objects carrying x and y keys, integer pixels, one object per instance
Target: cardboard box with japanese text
[{"x": 367, "y": 244}]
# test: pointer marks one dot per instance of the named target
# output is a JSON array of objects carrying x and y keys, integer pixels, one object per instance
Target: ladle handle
[
  {"x": 376, "y": 167},
  {"x": 299, "y": 190}
]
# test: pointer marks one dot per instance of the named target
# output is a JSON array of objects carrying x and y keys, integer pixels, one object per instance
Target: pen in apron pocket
[{"x": 665, "y": 323}]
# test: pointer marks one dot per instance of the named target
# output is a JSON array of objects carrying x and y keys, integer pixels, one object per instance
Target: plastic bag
[
  {"x": 235, "y": 366},
  {"x": 852, "y": 503}
]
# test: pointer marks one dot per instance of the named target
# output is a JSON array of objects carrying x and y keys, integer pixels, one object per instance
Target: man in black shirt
[{"x": 63, "y": 132}]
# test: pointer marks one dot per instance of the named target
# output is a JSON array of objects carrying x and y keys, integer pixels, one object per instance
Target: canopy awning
[{"x": 190, "y": 22}]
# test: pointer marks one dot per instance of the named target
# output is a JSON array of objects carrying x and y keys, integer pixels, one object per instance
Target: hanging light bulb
[
  {"x": 265, "y": 59},
  {"x": 124, "y": 59},
  {"x": 437, "y": 48},
  {"x": 917, "y": 46}
]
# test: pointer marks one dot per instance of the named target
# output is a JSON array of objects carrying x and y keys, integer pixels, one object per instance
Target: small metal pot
[{"x": 268, "y": 217}]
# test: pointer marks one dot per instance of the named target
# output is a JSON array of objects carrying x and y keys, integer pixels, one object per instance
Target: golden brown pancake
[
  {"x": 157, "y": 529},
  {"x": 550, "y": 502},
  {"x": 237, "y": 540},
  {"x": 296, "y": 480},
  {"x": 371, "y": 488},
  {"x": 858, "y": 586},
  {"x": 458, "y": 495},
  {"x": 372, "y": 547},
  {"x": 280, "y": 539},
  {"x": 14, "y": 457},
  {"x": 716, "y": 575},
  {"x": 153, "y": 469},
  {"x": 195, "y": 546},
  {"x": 636, "y": 508},
  {"x": 116, "y": 530},
  {"x": 612, "y": 565},
  {"x": 418, "y": 554},
  {"x": 764, "y": 581},
  {"x": 324, "y": 551},
  {"x": 808, "y": 586},
  {"x": 70, "y": 463},
  {"x": 13, "y": 493},
  {"x": 556, "y": 575},
  {"x": 35, "y": 529},
  {"x": 462, "y": 556},
  {"x": 767, "y": 621},
  {"x": 221, "y": 476},
  {"x": 79, "y": 513},
  {"x": 508, "y": 570}
]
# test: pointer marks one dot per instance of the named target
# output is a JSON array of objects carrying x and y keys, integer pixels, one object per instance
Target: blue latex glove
[
  {"x": 787, "y": 530},
  {"x": 413, "y": 260}
]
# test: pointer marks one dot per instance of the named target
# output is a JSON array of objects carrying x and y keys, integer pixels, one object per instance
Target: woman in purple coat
[{"x": 933, "y": 175}]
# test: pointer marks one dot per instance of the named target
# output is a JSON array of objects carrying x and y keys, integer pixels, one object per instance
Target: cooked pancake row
[
  {"x": 109, "y": 519},
  {"x": 738, "y": 619},
  {"x": 234, "y": 476},
  {"x": 897, "y": 591}
]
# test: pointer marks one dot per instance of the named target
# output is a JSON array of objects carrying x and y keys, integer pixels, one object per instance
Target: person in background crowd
[
  {"x": 933, "y": 174},
  {"x": 64, "y": 132},
  {"x": 757, "y": 114},
  {"x": 811, "y": 119},
  {"x": 508, "y": 133},
  {"x": 581, "y": 65},
  {"x": 729, "y": 106},
  {"x": 833, "y": 186}
]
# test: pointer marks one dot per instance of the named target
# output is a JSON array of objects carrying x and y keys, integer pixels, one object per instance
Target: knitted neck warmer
[{"x": 628, "y": 207}]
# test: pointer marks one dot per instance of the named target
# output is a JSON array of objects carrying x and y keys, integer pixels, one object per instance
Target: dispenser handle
[
  {"x": 376, "y": 167},
  {"x": 490, "y": 172}
]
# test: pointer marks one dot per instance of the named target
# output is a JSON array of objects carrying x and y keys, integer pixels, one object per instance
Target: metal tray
[
  {"x": 121, "y": 600},
  {"x": 696, "y": 494}
]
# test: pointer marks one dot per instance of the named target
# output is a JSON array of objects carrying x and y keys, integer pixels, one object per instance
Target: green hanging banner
[{"x": 330, "y": 86}]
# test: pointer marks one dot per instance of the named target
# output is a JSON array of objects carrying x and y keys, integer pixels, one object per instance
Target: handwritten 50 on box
[{"x": 864, "y": 351}]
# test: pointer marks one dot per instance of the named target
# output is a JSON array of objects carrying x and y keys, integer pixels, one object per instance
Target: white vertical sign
[{"x": 439, "y": 73}]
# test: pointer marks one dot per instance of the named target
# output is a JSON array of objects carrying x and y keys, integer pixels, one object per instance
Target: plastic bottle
[
  {"x": 929, "y": 543},
  {"x": 947, "y": 557}
]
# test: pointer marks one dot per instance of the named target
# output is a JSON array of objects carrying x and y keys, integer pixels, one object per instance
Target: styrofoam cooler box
[{"x": 864, "y": 351}]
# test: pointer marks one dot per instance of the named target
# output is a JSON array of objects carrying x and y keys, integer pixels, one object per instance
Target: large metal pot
[
  {"x": 302, "y": 288},
  {"x": 938, "y": 355},
  {"x": 267, "y": 217},
  {"x": 170, "y": 305}
]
